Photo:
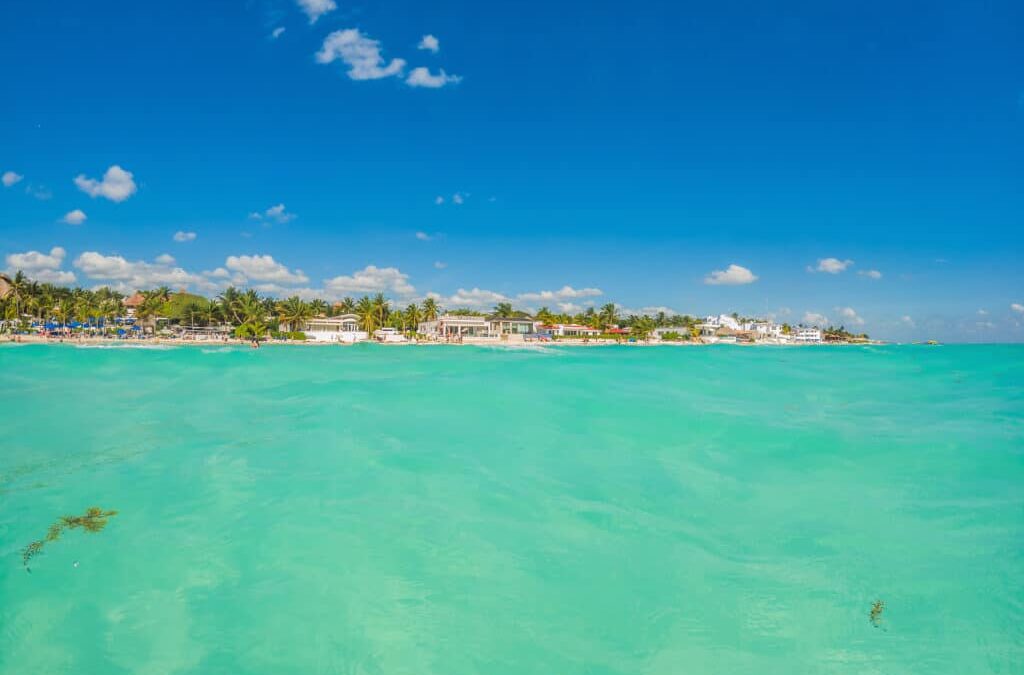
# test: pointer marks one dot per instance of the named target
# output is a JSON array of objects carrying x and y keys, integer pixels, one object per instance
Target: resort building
[
  {"x": 572, "y": 330},
  {"x": 455, "y": 326},
  {"x": 344, "y": 328},
  {"x": 5, "y": 286},
  {"x": 133, "y": 302},
  {"x": 500, "y": 325},
  {"x": 389, "y": 334},
  {"x": 712, "y": 324},
  {"x": 806, "y": 334}
]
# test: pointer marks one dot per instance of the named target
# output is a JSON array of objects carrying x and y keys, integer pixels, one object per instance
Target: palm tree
[
  {"x": 609, "y": 315},
  {"x": 294, "y": 312},
  {"x": 545, "y": 316},
  {"x": 367, "y": 316},
  {"x": 413, "y": 315},
  {"x": 430, "y": 309},
  {"x": 503, "y": 309},
  {"x": 229, "y": 304},
  {"x": 642, "y": 328},
  {"x": 381, "y": 309},
  {"x": 191, "y": 312},
  {"x": 347, "y": 305},
  {"x": 318, "y": 307}
]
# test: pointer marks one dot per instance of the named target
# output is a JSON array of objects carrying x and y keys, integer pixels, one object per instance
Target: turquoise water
[{"x": 460, "y": 510}]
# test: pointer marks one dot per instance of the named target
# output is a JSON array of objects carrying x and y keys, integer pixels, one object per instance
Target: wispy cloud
[
  {"x": 117, "y": 184},
  {"x": 831, "y": 265},
  {"x": 10, "y": 178},
  {"x": 438, "y": 265},
  {"x": 76, "y": 217},
  {"x": 315, "y": 9},
  {"x": 562, "y": 294},
  {"x": 850, "y": 314},
  {"x": 734, "y": 275},
  {"x": 360, "y": 53},
  {"x": 277, "y": 32},
  {"x": 870, "y": 274},
  {"x": 277, "y": 214},
  {"x": 815, "y": 319},
  {"x": 423, "y": 236},
  {"x": 40, "y": 192},
  {"x": 1017, "y": 307},
  {"x": 181, "y": 236}
]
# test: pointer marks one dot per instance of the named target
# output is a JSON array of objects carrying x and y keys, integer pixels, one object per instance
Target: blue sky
[{"x": 600, "y": 151}]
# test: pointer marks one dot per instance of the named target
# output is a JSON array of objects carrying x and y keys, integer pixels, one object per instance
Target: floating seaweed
[
  {"x": 93, "y": 520},
  {"x": 876, "y": 613}
]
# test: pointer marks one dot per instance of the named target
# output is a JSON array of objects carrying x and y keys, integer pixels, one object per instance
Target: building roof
[{"x": 135, "y": 300}]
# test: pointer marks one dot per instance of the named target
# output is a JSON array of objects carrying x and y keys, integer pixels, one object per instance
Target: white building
[
  {"x": 455, "y": 326},
  {"x": 572, "y": 330},
  {"x": 764, "y": 329},
  {"x": 389, "y": 335},
  {"x": 661, "y": 331},
  {"x": 344, "y": 328},
  {"x": 801, "y": 334}
]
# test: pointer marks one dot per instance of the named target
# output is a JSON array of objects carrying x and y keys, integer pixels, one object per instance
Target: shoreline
[{"x": 479, "y": 342}]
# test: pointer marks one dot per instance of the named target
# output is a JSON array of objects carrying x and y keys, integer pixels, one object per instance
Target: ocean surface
[{"x": 456, "y": 510}]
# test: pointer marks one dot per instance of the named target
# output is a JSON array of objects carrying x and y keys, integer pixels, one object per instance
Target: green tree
[{"x": 430, "y": 309}]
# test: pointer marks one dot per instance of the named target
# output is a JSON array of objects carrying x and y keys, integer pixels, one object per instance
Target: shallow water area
[{"x": 540, "y": 510}]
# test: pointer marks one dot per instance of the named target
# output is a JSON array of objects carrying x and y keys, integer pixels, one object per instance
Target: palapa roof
[{"x": 135, "y": 300}]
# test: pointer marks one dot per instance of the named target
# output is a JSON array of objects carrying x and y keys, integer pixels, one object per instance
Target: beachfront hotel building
[
  {"x": 501, "y": 325},
  {"x": 802, "y": 334},
  {"x": 572, "y": 330},
  {"x": 343, "y": 328},
  {"x": 455, "y": 326}
]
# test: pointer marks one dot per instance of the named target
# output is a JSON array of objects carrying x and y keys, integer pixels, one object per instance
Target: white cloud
[
  {"x": 423, "y": 236},
  {"x": 76, "y": 217},
  {"x": 314, "y": 9},
  {"x": 277, "y": 213},
  {"x": 277, "y": 32},
  {"x": 10, "y": 178},
  {"x": 117, "y": 184},
  {"x": 908, "y": 320},
  {"x": 651, "y": 310},
  {"x": 430, "y": 43},
  {"x": 165, "y": 259},
  {"x": 438, "y": 265},
  {"x": 133, "y": 275},
  {"x": 370, "y": 279},
  {"x": 734, "y": 275},
  {"x": 849, "y": 314},
  {"x": 34, "y": 261},
  {"x": 832, "y": 265},
  {"x": 422, "y": 77},
  {"x": 475, "y": 298},
  {"x": 439, "y": 200},
  {"x": 562, "y": 294},
  {"x": 459, "y": 198},
  {"x": 871, "y": 274},
  {"x": 181, "y": 236},
  {"x": 219, "y": 273},
  {"x": 263, "y": 268},
  {"x": 982, "y": 312},
  {"x": 815, "y": 319},
  {"x": 360, "y": 53},
  {"x": 1017, "y": 307}
]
